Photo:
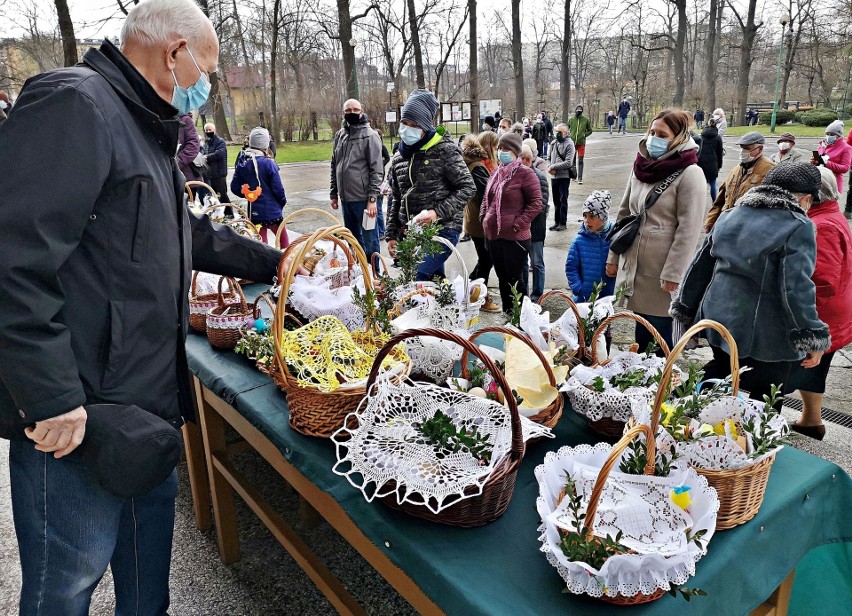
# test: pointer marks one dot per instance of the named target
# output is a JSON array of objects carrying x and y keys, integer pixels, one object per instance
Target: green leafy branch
[
  {"x": 575, "y": 546},
  {"x": 440, "y": 431},
  {"x": 636, "y": 457}
]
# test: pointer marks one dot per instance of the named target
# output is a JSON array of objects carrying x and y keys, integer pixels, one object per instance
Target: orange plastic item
[{"x": 251, "y": 195}]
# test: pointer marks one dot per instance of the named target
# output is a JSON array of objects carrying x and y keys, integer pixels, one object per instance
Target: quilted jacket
[{"x": 586, "y": 263}]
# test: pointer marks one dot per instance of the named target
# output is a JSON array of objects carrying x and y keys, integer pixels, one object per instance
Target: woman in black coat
[{"x": 710, "y": 155}]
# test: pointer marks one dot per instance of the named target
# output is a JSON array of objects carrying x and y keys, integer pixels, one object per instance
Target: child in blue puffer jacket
[{"x": 586, "y": 263}]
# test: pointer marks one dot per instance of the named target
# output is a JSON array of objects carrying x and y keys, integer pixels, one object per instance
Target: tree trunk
[
  {"x": 517, "y": 59},
  {"x": 710, "y": 57},
  {"x": 565, "y": 70},
  {"x": 273, "y": 72},
  {"x": 66, "y": 30},
  {"x": 474, "y": 69},
  {"x": 679, "y": 53},
  {"x": 415, "y": 41},
  {"x": 749, "y": 33},
  {"x": 344, "y": 20},
  {"x": 215, "y": 94}
]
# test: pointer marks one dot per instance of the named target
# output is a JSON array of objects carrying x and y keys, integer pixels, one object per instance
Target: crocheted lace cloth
[
  {"x": 641, "y": 508},
  {"x": 386, "y": 454}
]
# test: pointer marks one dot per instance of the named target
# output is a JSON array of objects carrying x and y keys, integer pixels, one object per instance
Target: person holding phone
[{"x": 834, "y": 153}]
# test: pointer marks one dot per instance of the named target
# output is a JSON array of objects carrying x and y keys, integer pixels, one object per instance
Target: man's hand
[
  {"x": 300, "y": 270},
  {"x": 812, "y": 359},
  {"x": 61, "y": 434},
  {"x": 552, "y": 171},
  {"x": 372, "y": 210},
  {"x": 334, "y": 205},
  {"x": 668, "y": 286},
  {"x": 426, "y": 216},
  {"x": 611, "y": 269},
  {"x": 392, "y": 248}
]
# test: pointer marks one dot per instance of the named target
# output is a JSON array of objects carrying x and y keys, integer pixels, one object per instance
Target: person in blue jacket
[
  {"x": 586, "y": 263},
  {"x": 258, "y": 179}
]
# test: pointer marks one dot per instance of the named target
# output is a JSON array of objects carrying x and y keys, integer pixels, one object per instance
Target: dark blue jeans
[
  {"x": 713, "y": 189},
  {"x": 353, "y": 218},
  {"x": 380, "y": 225},
  {"x": 433, "y": 265},
  {"x": 559, "y": 189},
  {"x": 537, "y": 263},
  {"x": 69, "y": 529}
]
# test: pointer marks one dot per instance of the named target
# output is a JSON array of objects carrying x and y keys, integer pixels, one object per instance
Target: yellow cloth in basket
[{"x": 526, "y": 374}]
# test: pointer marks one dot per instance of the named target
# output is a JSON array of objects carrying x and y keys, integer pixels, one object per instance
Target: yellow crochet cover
[{"x": 324, "y": 354}]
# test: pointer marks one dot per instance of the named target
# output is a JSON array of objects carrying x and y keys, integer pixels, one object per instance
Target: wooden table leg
[
  {"x": 199, "y": 484},
  {"x": 778, "y": 602},
  {"x": 224, "y": 511}
]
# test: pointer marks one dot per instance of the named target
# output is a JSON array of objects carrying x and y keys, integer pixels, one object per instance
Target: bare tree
[
  {"x": 415, "y": 41},
  {"x": 66, "y": 30},
  {"x": 518, "y": 59},
  {"x": 473, "y": 74},
  {"x": 565, "y": 73},
  {"x": 710, "y": 57},
  {"x": 748, "y": 28},
  {"x": 800, "y": 13},
  {"x": 447, "y": 43}
]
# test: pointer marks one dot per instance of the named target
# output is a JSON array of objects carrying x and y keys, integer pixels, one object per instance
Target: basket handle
[
  {"x": 632, "y": 316},
  {"x": 215, "y": 206},
  {"x": 666, "y": 377},
  {"x": 465, "y": 275},
  {"x": 375, "y": 259},
  {"x": 397, "y": 307},
  {"x": 255, "y": 311},
  {"x": 609, "y": 464},
  {"x": 350, "y": 259},
  {"x": 298, "y": 251},
  {"x": 188, "y": 187},
  {"x": 465, "y": 371},
  {"x": 581, "y": 337},
  {"x": 235, "y": 289},
  {"x": 334, "y": 220},
  {"x": 517, "y": 448}
]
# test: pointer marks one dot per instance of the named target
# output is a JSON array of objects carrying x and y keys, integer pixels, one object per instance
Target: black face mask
[
  {"x": 210, "y": 134},
  {"x": 352, "y": 118},
  {"x": 579, "y": 112}
]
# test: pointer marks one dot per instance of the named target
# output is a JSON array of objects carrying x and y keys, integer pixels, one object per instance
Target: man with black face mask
[
  {"x": 579, "y": 127},
  {"x": 216, "y": 156},
  {"x": 356, "y": 175}
]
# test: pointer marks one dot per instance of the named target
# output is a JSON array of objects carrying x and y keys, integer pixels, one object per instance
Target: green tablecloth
[{"x": 498, "y": 569}]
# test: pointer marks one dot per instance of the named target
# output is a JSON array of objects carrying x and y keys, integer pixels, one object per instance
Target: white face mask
[
  {"x": 784, "y": 146},
  {"x": 747, "y": 157}
]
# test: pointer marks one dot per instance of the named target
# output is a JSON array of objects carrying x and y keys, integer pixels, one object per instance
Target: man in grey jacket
[
  {"x": 356, "y": 175},
  {"x": 561, "y": 163}
]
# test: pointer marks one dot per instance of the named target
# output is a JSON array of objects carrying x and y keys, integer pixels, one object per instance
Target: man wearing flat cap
[
  {"x": 788, "y": 152},
  {"x": 749, "y": 173}
]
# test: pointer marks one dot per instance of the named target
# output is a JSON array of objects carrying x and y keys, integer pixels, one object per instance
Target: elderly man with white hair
[{"x": 94, "y": 381}]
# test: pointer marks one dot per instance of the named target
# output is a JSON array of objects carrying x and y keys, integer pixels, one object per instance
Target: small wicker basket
[
  {"x": 200, "y": 305},
  {"x": 224, "y": 322}
]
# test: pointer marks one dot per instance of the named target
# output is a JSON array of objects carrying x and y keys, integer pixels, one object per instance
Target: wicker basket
[
  {"x": 583, "y": 353},
  {"x": 494, "y": 499},
  {"x": 200, "y": 305},
  {"x": 313, "y": 412},
  {"x": 282, "y": 228},
  {"x": 740, "y": 490},
  {"x": 610, "y": 428},
  {"x": 597, "y": 492},
  {"x": 242, "y": 225},
  {"x": 224, "y": 322},
  {"x": 549, "y": 415}
]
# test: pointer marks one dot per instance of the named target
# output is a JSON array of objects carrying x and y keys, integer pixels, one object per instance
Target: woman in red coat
[{"x": 833, "y": 279}]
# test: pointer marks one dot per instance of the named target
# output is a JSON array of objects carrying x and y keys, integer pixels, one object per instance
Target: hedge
[
  {"x": 781, "y": 117},
  {"x": 818, "y": 117}
]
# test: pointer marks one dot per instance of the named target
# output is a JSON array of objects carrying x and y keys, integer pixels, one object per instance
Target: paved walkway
[{"x": 266, "y": 580}]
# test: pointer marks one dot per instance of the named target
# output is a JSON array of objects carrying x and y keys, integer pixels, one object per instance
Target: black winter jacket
[
  {"x": 95, "y": 276},
  {"x": 434, "y": 178},
  {"x": 710, "y": 155},
  {"x": 538, "y": 227},
  {"x": 217, "y": 157}
]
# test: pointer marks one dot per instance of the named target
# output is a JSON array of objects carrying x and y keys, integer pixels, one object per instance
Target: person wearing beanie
[
  {"x": 512, "y": 200},
  {"x": 752, "y": 274},
  {"x": 429, "y": 180},
  {"x": 539, "y": 133},
  {"x": 833, "y": 301},
  {"x": 579, "y": 128},
  {"x": 753, "y": 167},
  {"x": 560, "y": 170},
  {"x": 258, "y": 179},
  {"x": 586, "y": 263},
  {"x": 538, "y": 163},
  {"x": 489, "y": 123},
  {"x": 538, "y": 227},
  {"x": 835, "y": 153},
  {"x": 788, "y": 152}
]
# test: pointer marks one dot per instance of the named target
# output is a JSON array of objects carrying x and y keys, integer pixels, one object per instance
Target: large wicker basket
[
  {"x": 201, "y": 304},
  {"x": 549, "y": 415},
  {"x": 494, "y": 499},
  {"x": 610, "y": 428},
  {"x": 314, "y": 412},
  {"x": 282, "y": 228},
  {"x": 583, "y": 353},
  {"x": 226, "y": 320},
  {"x": 741, "y": 491}
]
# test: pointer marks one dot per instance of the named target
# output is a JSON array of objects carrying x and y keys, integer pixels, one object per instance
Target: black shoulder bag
[
  {"x": 624, "y": 232},
  {"x": 572, "y": 170}
]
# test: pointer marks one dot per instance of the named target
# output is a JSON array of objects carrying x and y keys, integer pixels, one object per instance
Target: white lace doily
[
  {"x": 432, "y": 357},
  {"x": 386, "y": 447},
  {"x": 645, "y": 527},
  {"x": 315, "y": 297},
  {"x": 612, "y": 402}
]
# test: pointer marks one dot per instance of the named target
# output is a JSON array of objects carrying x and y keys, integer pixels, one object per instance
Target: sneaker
[
  {"x": 579, "y": 181},
  {"x": 490, "y": 306},
  {"x": 560, "y": 228},
  {"x": 464, "y": 238},
  {"x": 556, "y": 227}
]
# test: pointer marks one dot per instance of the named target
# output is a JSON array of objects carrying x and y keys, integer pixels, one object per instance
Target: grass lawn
[
  {"x": 296, "y": 151},
  {"x": 799, "y": 130}
]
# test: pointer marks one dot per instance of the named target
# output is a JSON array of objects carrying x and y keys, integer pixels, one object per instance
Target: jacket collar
[
  {"x": 134, "y": 89},
  {"x": 769, "y": 197},
  {"x": 823, "y": 207}
]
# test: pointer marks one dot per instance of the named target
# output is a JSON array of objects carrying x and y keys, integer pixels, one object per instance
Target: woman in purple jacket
[{"x": 512, "y": 200}]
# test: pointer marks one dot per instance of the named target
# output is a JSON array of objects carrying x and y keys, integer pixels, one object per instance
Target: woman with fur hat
[
  {"x": 652, "y": 267},
  {"x": 753, "y": 275},
  {"x": 833, "y": 301},
  {"x": 512, "y": 200}
]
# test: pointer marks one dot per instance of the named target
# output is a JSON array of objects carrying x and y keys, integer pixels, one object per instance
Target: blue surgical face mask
[
  {"x": 657, "y": 146},
  {"x": 409, "y": 134},
  {"x": 504, "y": 157},
  {"x": 193, "y": 97},
  {"x": 829, "y": 139}
]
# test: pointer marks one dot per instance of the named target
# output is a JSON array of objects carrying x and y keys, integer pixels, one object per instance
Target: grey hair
[
  {"x": 517, "y": 127},
  {"x": 561, "y": 125},
  {"x": 527, "y": 153},
  {"x": 153, "y": 22},
  {"x": 532, "y": 145}
]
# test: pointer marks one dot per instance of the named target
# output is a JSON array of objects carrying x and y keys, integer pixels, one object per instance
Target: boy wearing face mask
[
  {"x": 430, "y": 180},
  {"x": 749, "y": 173},
  {"x": 788, "y": 152},
  {"x": 835, "y": 153}
]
